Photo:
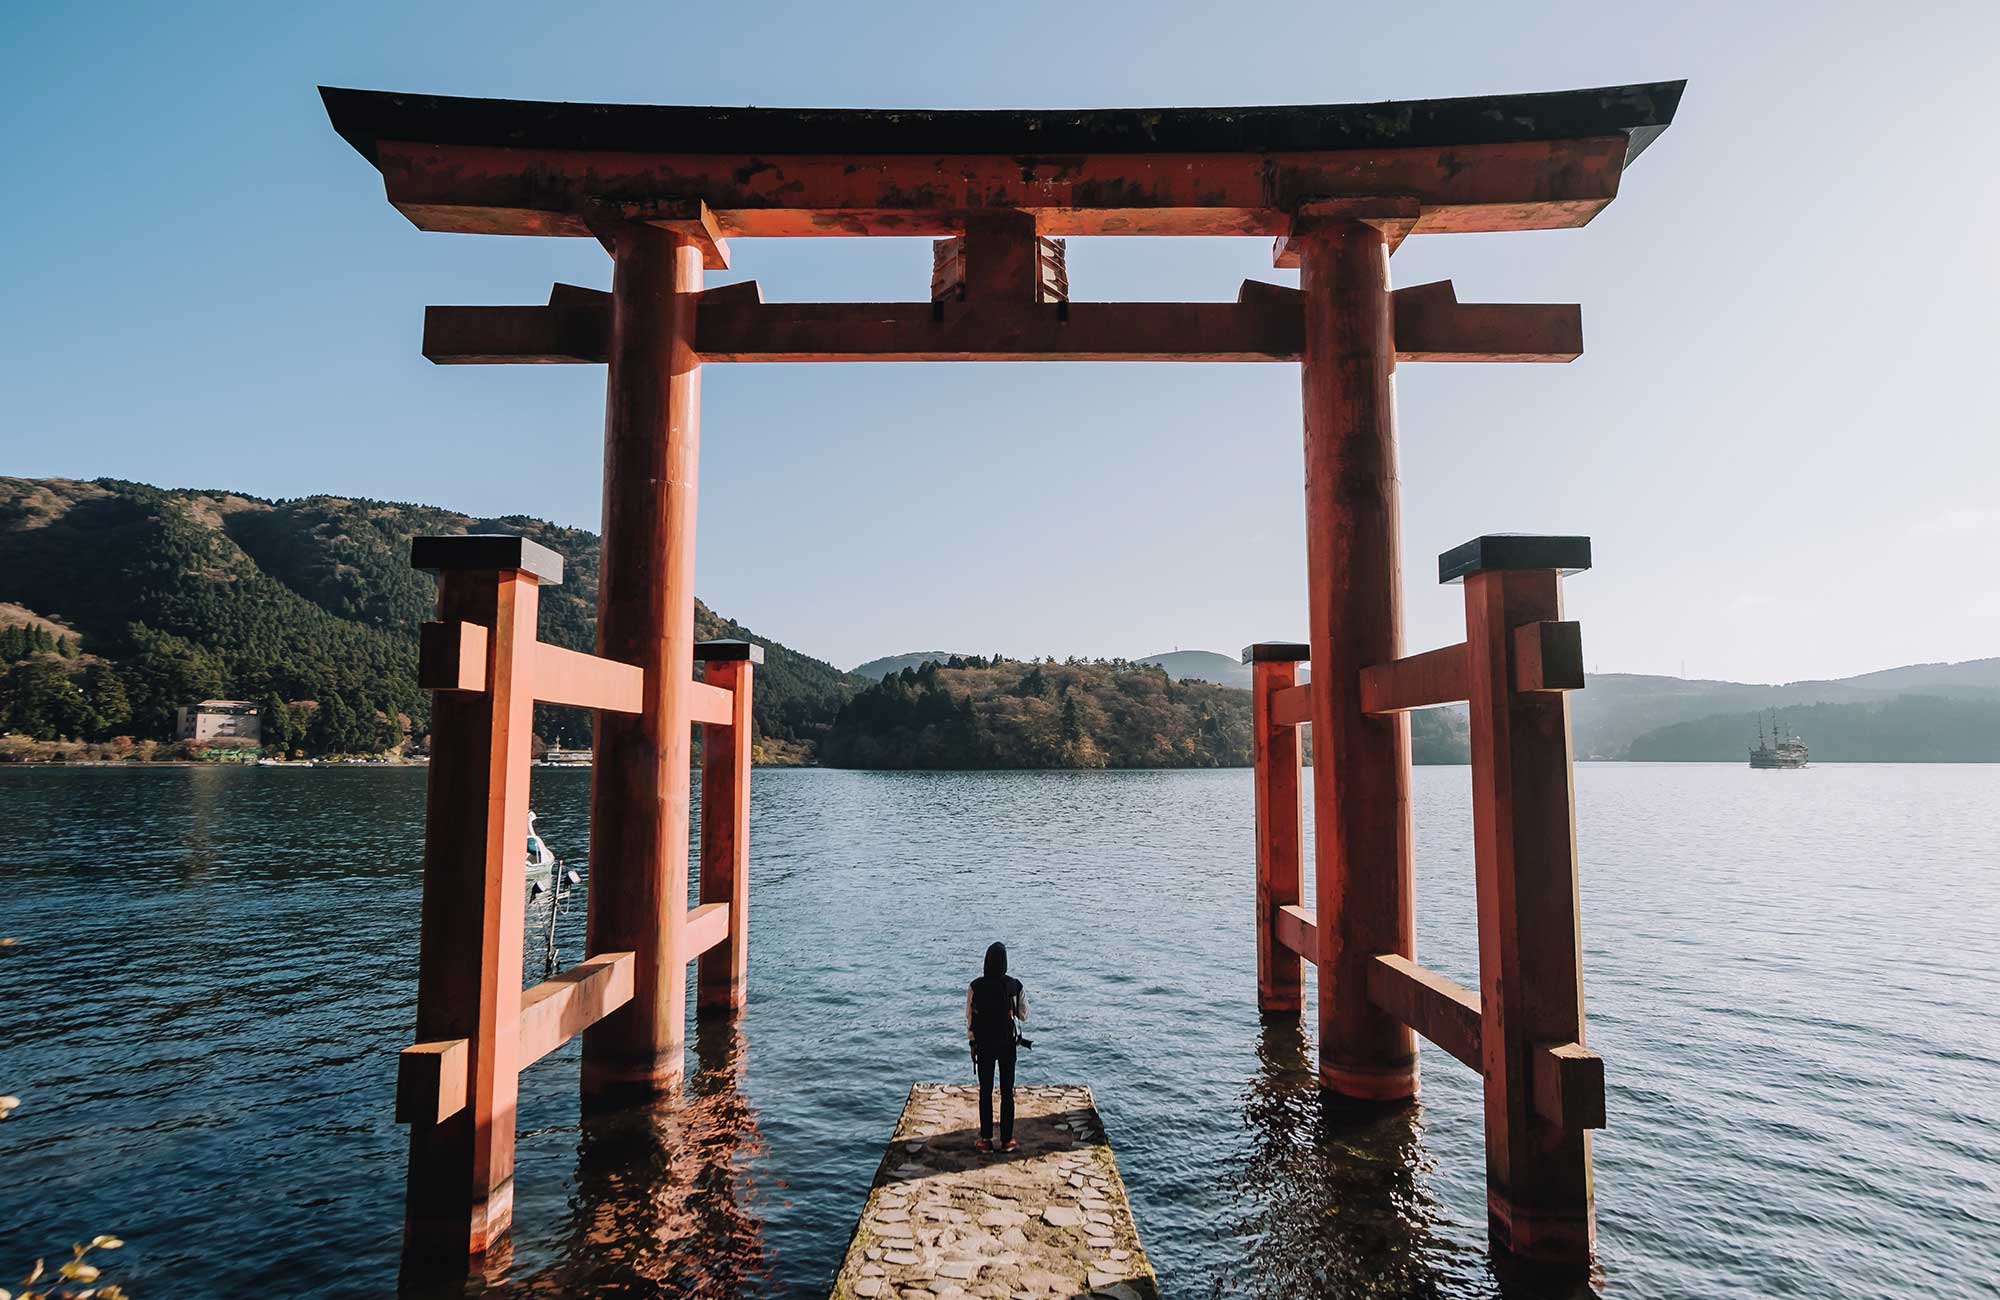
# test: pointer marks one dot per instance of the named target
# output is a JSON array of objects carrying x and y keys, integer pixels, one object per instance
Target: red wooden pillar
[
  {"x": 725, "y": 825},
  {"x": 1274, "y": 748},
  {"x": 1361, "y": 764},
  {"x": 461, "y": 1178},
  {"x": 1538, "y": 1177},
  {"x": 639, "y": 779}
]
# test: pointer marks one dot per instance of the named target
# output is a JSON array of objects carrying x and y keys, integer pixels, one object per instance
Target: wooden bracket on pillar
[
  {"x": 1548, "y": 656},
  {"x": 1431, "y": 324},
  {"x": 451, "y": 656},
  {"x": 1395, "y": 215},
  {"x": 1000, "y": 258},
  {"x": 688, "y": 218}
]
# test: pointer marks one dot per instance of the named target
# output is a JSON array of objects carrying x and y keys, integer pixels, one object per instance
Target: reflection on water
[
  {"x": 663, "y": 1201},
  {"x": 1791, "y": 981},
  {"x": 1329, "y": 1197}
]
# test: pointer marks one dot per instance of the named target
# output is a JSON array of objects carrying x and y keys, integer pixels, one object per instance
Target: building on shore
[{"x": 218, "y": 720}]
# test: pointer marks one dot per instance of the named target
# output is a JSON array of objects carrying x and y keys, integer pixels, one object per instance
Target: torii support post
[
  {"x": 639, "y": 782},
  {"x": 1521, "y": 659},
  {"x": 1366, "y": 901},
  {"x": 1275, "y": 697},
  {"x": 461, "y": 1177},
  {"x": 725, "y": 825}
]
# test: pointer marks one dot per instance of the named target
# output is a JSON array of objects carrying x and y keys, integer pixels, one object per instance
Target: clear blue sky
[{"x": 1781, "y": 436}]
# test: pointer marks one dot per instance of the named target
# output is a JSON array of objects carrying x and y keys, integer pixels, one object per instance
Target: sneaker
[
  {"x": 1013, "y": 1144},
  {"x": 982, "y": 1146}
]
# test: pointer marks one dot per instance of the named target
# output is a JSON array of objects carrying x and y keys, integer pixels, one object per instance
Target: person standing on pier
[{"x": 992, "y": 1006}]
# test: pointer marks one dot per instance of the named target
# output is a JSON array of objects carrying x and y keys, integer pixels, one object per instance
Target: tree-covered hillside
[
  {"x": 308, "y": 607},
  {"x": 970, "y": 712},
  {"x": 1006, "y": 713}
]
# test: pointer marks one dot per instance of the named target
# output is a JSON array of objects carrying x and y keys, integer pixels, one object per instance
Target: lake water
[{"x": 1791, "y": 975}]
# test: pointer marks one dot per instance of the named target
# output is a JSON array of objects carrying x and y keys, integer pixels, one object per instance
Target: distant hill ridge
[
  {"x": 187, "y": 595},
  {"x": 1616, "y": 709},
  {"x": 131, "y": 600}
]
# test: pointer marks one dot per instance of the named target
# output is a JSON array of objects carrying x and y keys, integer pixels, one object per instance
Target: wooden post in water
[
  {"x": 1543, "y": 1089},
  {"x": 639, "y": 779},
  {"x": 725, "y": 825},
  {"x": 1274, "y": 748},
  {"x": 461, "y": 1177},
  {"x": 1361, "y": 804}
]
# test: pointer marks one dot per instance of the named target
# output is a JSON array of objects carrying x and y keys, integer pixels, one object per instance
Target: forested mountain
[
  {"x": 983, "y": 713},
  {"x": 121, "y": 602},
  {"x": 1906, "y": 729},
  {"x": 308, "y": 607},
  {"x": 970, "y": 712}
]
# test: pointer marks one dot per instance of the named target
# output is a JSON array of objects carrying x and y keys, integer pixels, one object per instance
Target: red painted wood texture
[
  {"x": 725, "y": 839},
  {"x": 1361, "y": 801},
  {"x": 1539, "y": 1196},
  {"x": 1274, "y": 748},
  {"x": 1264, "y": 325},
  {"x": 483, "y": 189},
  {"x": 639, "y": 782},
  {"x": 461, "y": 1174}
]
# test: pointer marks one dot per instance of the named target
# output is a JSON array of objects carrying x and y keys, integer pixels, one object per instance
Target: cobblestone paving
[{"x": 944, "y": 1222}]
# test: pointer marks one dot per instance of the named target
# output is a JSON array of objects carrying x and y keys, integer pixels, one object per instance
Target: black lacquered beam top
[
  {"x": 486, "y": 551},
  {"x": 364, "y": 117},
  {"x": 1276, "y": 652},
  {"x": 724, "y": 651},
  {"x": 1514, "y": 551}
]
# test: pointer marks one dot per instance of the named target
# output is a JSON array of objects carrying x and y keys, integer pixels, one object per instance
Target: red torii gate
[{"x": 1340, "y": 186}]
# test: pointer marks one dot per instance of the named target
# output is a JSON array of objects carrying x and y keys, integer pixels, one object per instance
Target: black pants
[{"x": 987, "y": 1060}]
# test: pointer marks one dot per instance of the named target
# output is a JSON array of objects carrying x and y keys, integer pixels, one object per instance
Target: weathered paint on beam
[
  {"x": 482, "y": 189},
  {"x": 919, "y": 331},
  {"x": 1266, "y": 323},
  {"x": 1431, "y": 324}
]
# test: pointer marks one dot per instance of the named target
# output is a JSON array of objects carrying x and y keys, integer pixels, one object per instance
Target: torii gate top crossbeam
[{"x": 1514, "y": 162}]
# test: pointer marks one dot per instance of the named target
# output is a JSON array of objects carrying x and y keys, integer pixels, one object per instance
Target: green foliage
[
  {"x": 310, "y": 604},
  {"x": 19, "y": 641},
  {"x": 38, "y": 698},
  {"x": 999, "y": 713},
  {"x": 1907, "y": 729}
]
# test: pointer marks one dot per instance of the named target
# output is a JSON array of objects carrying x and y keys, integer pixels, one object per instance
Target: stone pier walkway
[{"x": 945, "y": 1222}]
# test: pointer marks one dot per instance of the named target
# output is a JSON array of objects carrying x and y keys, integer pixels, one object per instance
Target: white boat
[
  {"x": 541, "y": 862},
  {"x": 559, "y": 757}
]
